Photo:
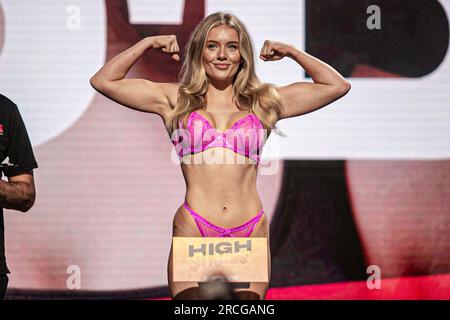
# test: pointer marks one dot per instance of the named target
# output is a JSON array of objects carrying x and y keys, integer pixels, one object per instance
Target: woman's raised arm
[
  {"x": 303, "y": 97},
  {"x": 139, "y": 94}
]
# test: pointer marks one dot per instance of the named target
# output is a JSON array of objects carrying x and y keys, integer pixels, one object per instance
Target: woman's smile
[{"x": 222, "y": 66}]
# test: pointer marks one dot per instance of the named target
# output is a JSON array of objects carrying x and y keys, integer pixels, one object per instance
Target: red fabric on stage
[
  {"x": 404, "y": 288},
  {"x": 431, "y": 287}
]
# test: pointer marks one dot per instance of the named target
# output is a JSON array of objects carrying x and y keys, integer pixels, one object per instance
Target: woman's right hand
[{"x": 168, "y": 44}]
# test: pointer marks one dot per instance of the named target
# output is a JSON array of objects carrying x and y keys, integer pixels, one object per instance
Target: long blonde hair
[{"x": 249, "y": 92}]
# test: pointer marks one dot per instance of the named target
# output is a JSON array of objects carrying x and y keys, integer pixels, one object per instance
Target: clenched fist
[
  {"x": 168, "y": 44},
  {"x": 273, "y": 50}
]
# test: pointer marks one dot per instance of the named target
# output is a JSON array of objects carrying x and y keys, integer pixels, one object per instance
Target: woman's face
[{"x": 221, "y": 56}]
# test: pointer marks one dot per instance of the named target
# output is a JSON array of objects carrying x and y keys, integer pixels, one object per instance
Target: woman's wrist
[
  {"x": 293, "y": 52},
  {"x": 149, "y": 42}
]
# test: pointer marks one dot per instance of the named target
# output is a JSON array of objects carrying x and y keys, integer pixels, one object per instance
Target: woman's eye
[{"x": 234, "y": 47}]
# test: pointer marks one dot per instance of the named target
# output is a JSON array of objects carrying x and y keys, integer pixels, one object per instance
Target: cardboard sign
[{"x": 202, "y": 259}]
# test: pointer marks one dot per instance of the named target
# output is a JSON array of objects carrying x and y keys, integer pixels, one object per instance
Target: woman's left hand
[{"x": 274, "y": 50}]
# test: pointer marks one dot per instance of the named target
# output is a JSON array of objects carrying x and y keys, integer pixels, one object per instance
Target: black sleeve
[{"x": 19, "y": 150}]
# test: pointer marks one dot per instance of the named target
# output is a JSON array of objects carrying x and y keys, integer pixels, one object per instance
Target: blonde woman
[{"x": 219, "y": 110}]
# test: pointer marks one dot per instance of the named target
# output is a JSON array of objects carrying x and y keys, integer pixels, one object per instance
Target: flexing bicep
[
  {"x": 303, "y": 97},
  {"x": 138, "y": 94}
]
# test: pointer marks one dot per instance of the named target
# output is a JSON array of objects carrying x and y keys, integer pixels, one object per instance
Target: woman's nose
[{"x": 221, "y": 54}]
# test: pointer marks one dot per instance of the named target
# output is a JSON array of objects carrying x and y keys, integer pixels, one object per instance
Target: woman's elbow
[
  {"x": 345, "y": 87},
  {"x": 95, "y": 82},
  {"x": 341, "y": 89}
]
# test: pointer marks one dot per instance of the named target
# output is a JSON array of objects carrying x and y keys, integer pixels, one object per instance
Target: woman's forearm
[
  {"x": 118, "y": 66},
  {"x": 319, "y": 71},
  {"x": 16, "y": 195}
]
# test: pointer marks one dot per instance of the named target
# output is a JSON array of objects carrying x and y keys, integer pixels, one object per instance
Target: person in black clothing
[{"x": 16, "y": 163}]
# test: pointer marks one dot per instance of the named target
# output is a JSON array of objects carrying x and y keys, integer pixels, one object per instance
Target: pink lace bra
[{"x": 245, "y": 137}]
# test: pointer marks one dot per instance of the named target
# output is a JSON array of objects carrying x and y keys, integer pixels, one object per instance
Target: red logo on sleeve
[{"x": 1, "y": 129}]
